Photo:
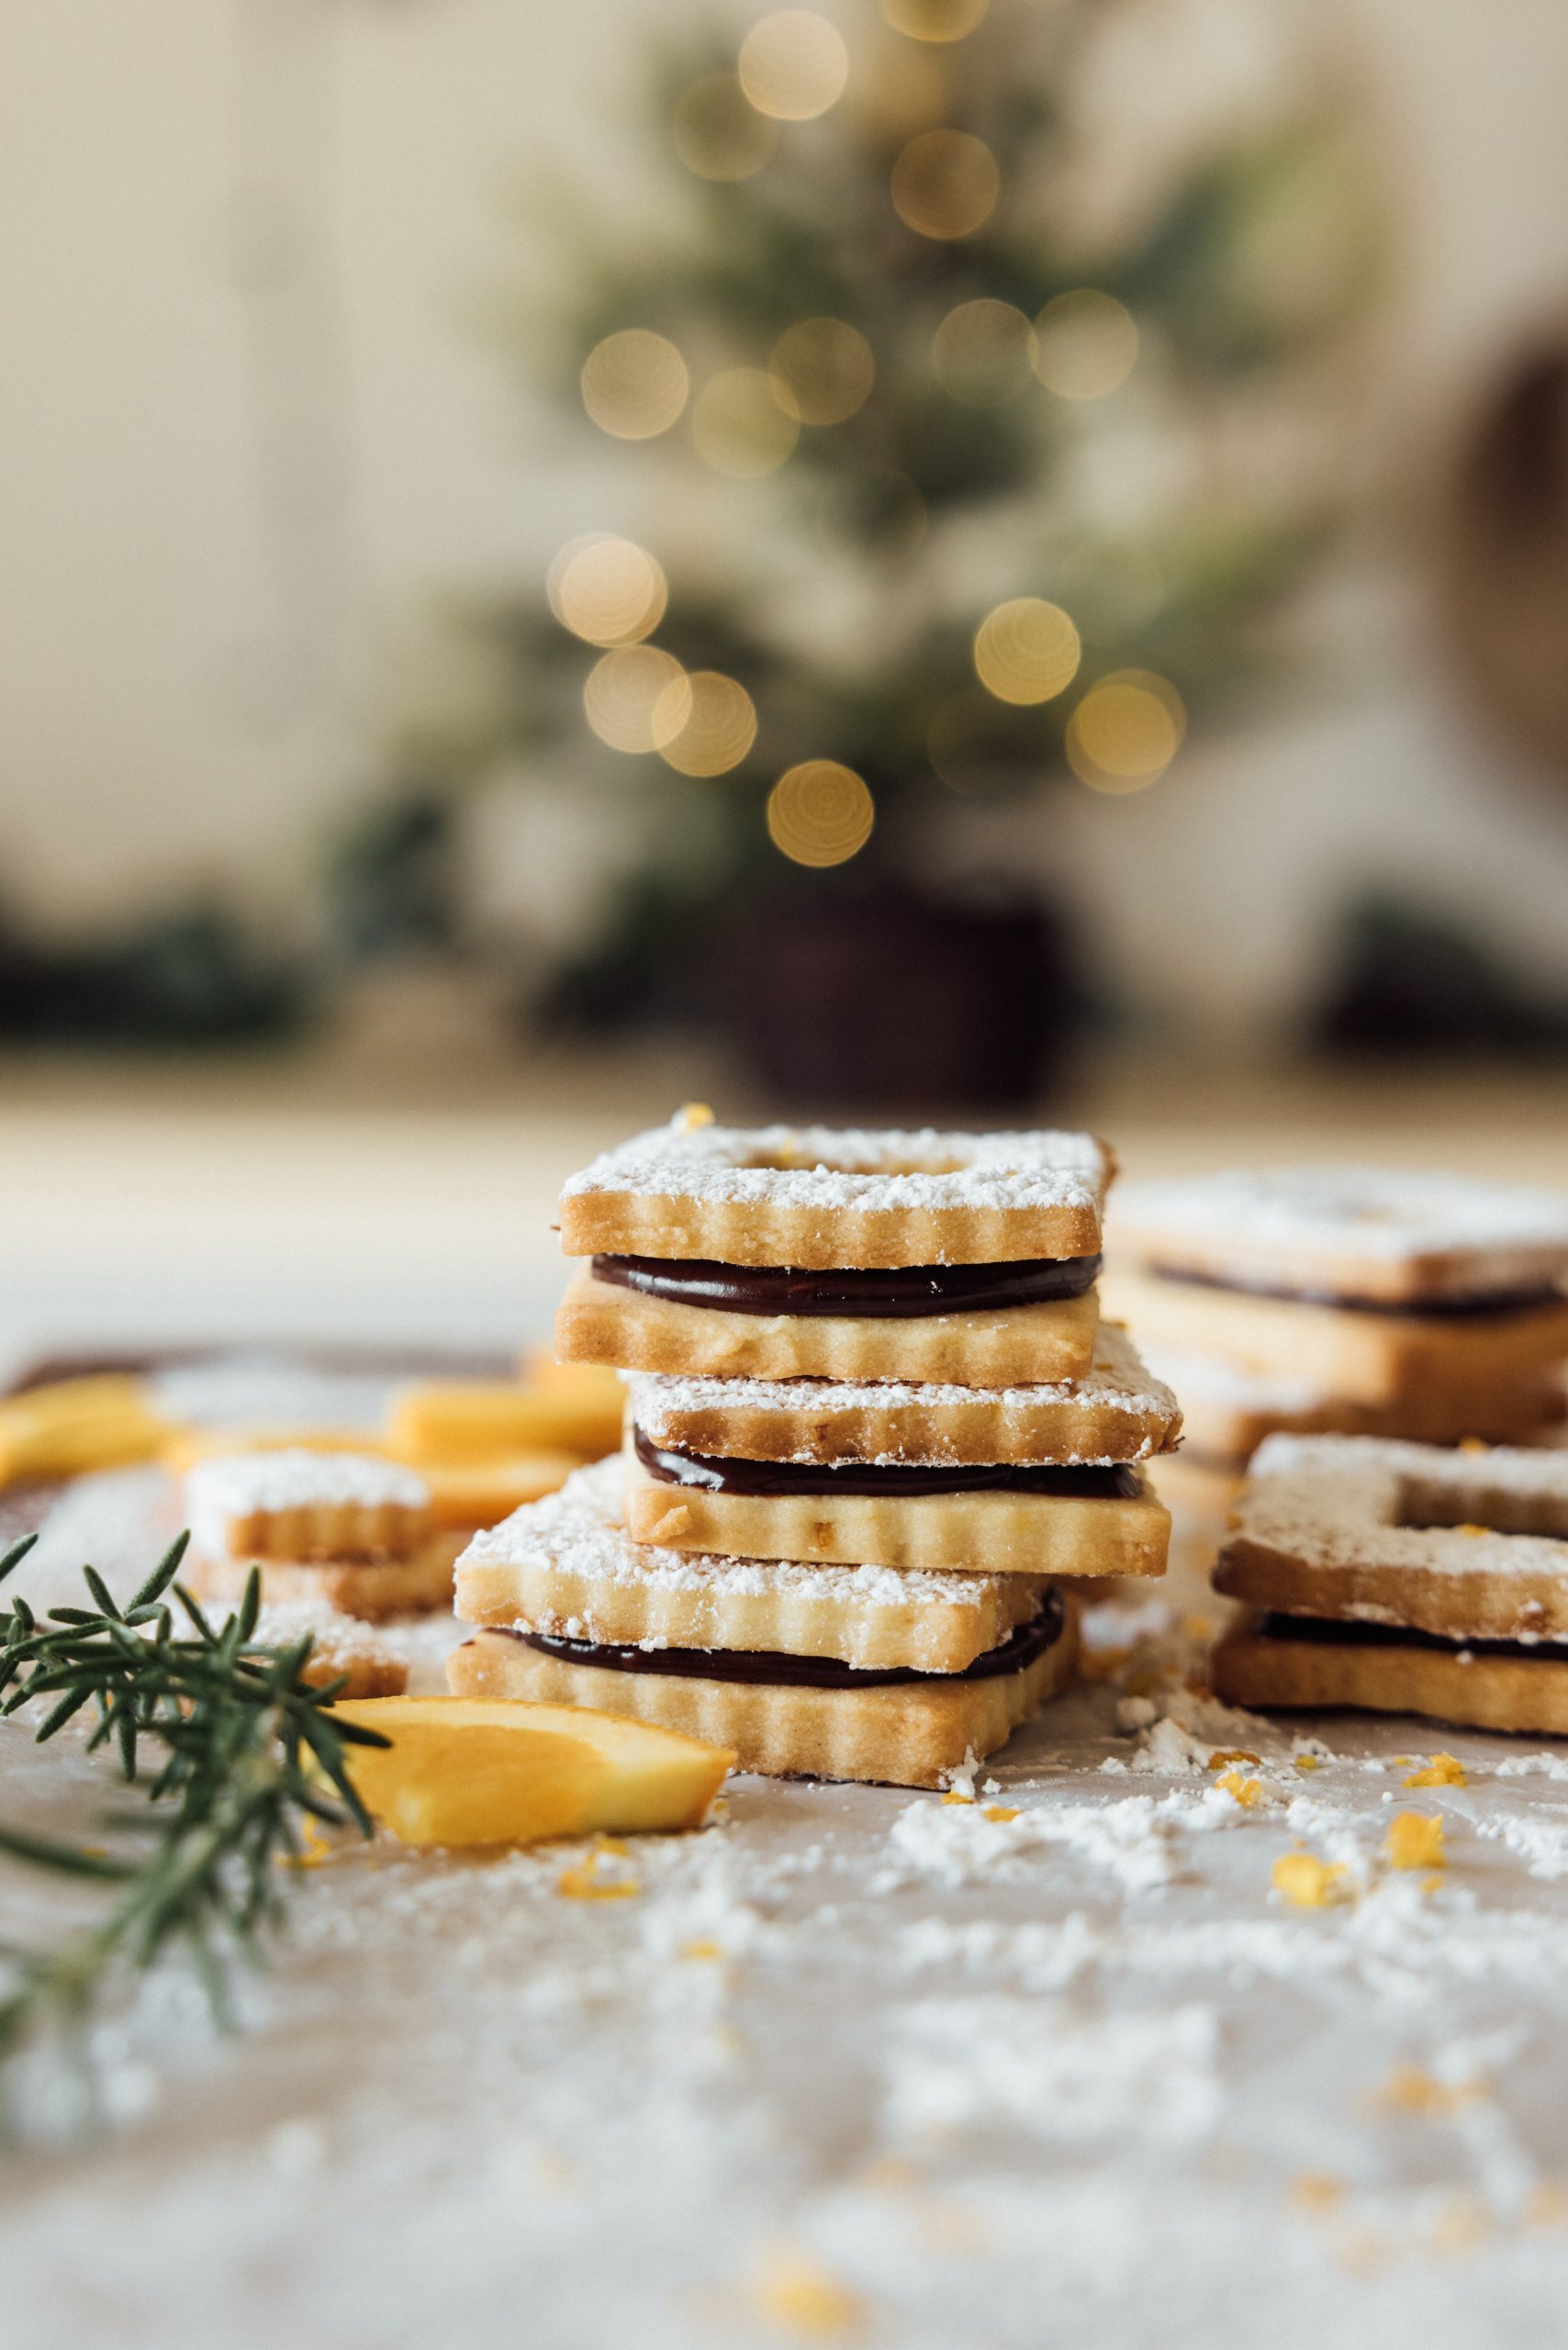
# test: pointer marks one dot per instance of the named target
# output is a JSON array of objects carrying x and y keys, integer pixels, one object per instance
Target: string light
[
  {"x": 637, "y": 697},
  {"x": 794, "y": 64},
  {"x": 822, "y": 370},
  {"x": 820, "y": 813},
  {"x": 946, "y": 184},
  {"x": 984, "y": 353},
  {"x": 1125, "y": 731},
  {"x": 718, "y": 133},
  {"x": 1085, "y": 344},
  {"x": 634, "y": 384},
  {"x": 718, "y": 729},
  {"x": 1026, "y": 650},
  {"x": 937, "y": 20},
  {"x": 738, "y": 426},
  {"x": 607, "y": 590}
]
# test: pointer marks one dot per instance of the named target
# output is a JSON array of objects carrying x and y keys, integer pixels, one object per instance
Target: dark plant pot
[{"x": 890, "y": 1000}]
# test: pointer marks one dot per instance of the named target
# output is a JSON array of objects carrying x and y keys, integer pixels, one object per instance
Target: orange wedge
[
  {"x": 483, "y": 1491},
  {"x": 497, "y": 1771},
  {"x": 73, "y": 1425},
  {"x": 461, "y": 1419}
]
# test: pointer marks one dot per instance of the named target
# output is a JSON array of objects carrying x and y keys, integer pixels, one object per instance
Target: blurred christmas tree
[{"x": 979, "y": 469}]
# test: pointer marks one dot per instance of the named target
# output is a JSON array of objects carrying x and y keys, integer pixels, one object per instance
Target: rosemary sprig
[{"x": 246, "y": 1747}]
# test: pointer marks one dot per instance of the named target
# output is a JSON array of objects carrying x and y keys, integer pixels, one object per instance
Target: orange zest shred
[
  {"x": 1224, "y": 1754},
  {"x": 1246, "y": 1791},
  {"x": 1442, "y": 1771},
  {"x": 702, "y": 1948},
  {"x": 803, "y": 2298},
  {"x": 1306, "y": 1882},
  {"x": 955, "y": 1795},
  {"x": 582, "y": 1881},
  {"x": 1000, "y": 1811},
  {"x": 1415, "y": 1840}
]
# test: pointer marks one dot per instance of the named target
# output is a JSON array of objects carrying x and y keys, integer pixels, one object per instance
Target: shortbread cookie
[
  {"x": 340, "y": 1650},
  {"x": 1227, "y": 1412},
  {"x": 1011, "y": 1519},
  {"x": 1367, "y": 1353},
  {"x": 1385, "y": 1235},
  {"x": 1011, "y": 1346},
  {"x": 1463, "y": 1545},
  {"x": 568, "y": 1568},
  {"x": 818, "y": 1198},
  {"x": 1292, "y": 1662},
  {"x": 1116, "y": 1412},
  {"x": 774, "y": 1710},
  {"x": 349, "y": 1508},
  {"x": 418, "y": 1585}
]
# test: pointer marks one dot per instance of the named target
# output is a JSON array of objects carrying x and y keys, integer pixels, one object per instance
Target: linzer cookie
[
  {"x": 786, "y": 1253},
  {"x": 1401, "y": 1578},
  {"x": 1432, "y": 1303},
  {"x": 352, "y": 1531},
  {"x": 566, "y": 1567},
  {"x": 1116, "y": 1412}
]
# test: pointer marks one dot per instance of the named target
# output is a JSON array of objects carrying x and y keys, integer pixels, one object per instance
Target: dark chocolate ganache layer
[
  {"x": 1345, "y": 1632},
  {"x": 716, "y": 1474},
  {"x": 880, "y": 1293},
  {"x": 1422, "y": 1309},
  {"x": 1029, "y": 1641}
]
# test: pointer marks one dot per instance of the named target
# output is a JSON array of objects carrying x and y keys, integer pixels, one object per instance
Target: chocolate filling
[
  {"x": 1423, "y": 1309},
  {"x": 774, "y": 1478},
  {"x": 1344, "y": 1632},
  {"x": 1029, "y": 1641},
  {"x": 877, "y": 1292}
]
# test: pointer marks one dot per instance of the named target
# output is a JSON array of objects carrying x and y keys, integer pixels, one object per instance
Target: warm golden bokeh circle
[
  {"x": 1085, "y": 344},
  {"x": 637, "y": 697},
  {"x": 935, "y": 19},
  {"x": 794, "y": 64},
  {"x": 634, "y": 384},
  {"x": 896, "y": 90},
  {"x": 718, "y": 133},
  {"x": 946, "y": 184},
  {"x": 718, "y": 729},
  {"x": 1125, "y": 731},
  {"x": 984, "y": 353},
  {"x": 1026, "y": 650},
  {"x": 820, "y": 812},
  {"x": 607, "y": 590},
  {"x": 738, "y": 426},
  {"x": 822, "y": 370}
]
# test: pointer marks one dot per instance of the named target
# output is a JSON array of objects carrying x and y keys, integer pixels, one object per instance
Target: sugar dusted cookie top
[
  {"x": 580, "y": 1527},
  {"x": 1118, "y": 1412},
  {"x": 822, "y": 1198},
  {"x": 311, "y": 1503},
  {"x": 1378, "y": 1233}
]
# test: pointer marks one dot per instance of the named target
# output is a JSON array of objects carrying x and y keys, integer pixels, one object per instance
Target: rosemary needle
[{"x": 242, "y": 1747}]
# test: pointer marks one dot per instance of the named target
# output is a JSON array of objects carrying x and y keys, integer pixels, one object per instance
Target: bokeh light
[
  {"x": 1026, "y": 650},
  {"x": 1085, "y": 344},
  {"x": 984, "y": 353},
  {"x": 718, "y": 729},
  {"x": 607, "y": 590},
  {"x": 738, "y": 425},
  {"x": 822, "y": 370},
  {"x": 1125, "y": 731},
  {"x": 946, "y": 184},
  {"x": 718, "y": 132},
  {"x": 634, "y": 384},
  {"x": 820, "y": 812},
  {"x": 794, "y": 64},
  {"x": 935, "y": 19},
  {"x": 896, "y": 90},
  {"x": 637, "y": 697}
]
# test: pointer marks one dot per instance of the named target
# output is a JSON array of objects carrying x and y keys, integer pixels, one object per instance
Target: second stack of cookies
[{"x": 873, "y": 1418}]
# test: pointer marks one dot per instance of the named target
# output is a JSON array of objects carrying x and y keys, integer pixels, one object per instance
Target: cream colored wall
[{"x": 170, "y": 705}]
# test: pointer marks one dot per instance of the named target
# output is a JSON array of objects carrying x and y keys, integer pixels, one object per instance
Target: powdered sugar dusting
[
  {"x": 827, "y": 1167},
  {"x": 1118, "y": 1381},
  {"x": 579, "y": 1527},
  {"x": 1496, "y": 1235},
  {"x": 235, "y": 1484}
]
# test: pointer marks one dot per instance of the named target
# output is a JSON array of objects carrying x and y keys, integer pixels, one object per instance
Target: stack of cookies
[
  {"x": 349, "y": 1533},
  {"x": 873, "y": 1418},
  {"x": 1355, "y": 1300},
  {"x": 1400, "y": 1578}
]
